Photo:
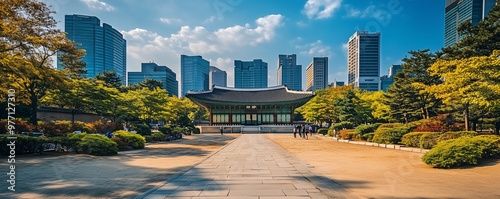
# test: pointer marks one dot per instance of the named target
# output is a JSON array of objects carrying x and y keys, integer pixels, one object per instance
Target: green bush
[
  {"x": 462, "y": 151},
  {"x": 323, "y": 131},
  {"x": 133, "y": 140},
  {"x": 412, "y": 139},
  {"x": 101, "y": 127},
  {"x": 390, "y": 135},
  {"x": 343, "y": 125},
  {"x": 19, "y": 125},
  {"x": 23, "y": 145},
  {"x": 158, "y": 136},
  {"x": 95, "y": 144},
  {"x": 149, "y": 138},
  {"x": 390, "y": 125},
  {"x": 363, "y": 129},
  {"x": 368, "y": 137},
  {"x": 455, "y": 135},
  {"x": 196, "y": 130},
  {"x": 429, "y": 140},
  {"x": 165, "y": 129},
  {"x": 55, "y": 128},
  {"x": 142, "y": 129},
  {"x": 122, "y": 146}
]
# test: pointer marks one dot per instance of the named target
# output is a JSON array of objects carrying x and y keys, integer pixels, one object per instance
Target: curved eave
[{"x": 206, "y": 103}]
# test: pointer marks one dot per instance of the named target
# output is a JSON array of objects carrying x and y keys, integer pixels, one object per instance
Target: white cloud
[
  {"x": 170, "y": 20},
  {"x": 370, "y": 11},
  {"x": 321, "y": 9},
  {"x": 212, "y": 19},
  {"x": 144, "y": 45},
  {"x": 316, "y": 49},
  {"x": 98, "y": 5},
  {"x": 301, "y": 24}
]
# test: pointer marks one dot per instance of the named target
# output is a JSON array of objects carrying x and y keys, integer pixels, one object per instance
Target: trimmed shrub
[
  {"x": 390, "y": 125},
  {"x": 23, "y": 145},
  {"x": 196, "y": 130},
  {"x": 323, "y": 131},
  {"x": 55, "y": 128},
  {"x": 348, "y": 134},
  {"x": 412, "y": 139},
  {"x": 149, "y": 138},
  {"x": 363, "y": 129},
  {"x": 368, "y": 137},
  {"x": 429, "y": 140},
  {"x": 165, "y": 129},
  {"x": 343, "y": 125},
  {"x": 102, "y": 127},
  {"x": 390, "y": 135},
  {"x": 429, "y": 125},
  {"x": 133, "y": 140},
  {"x": 158, "y": 136},
  {"x": 122, "y": 146},
  {"x": 142, "y": 129},
  {"x": 455, "y": 135},
  {"x": 95, "y": 144},
  {"x": 462, "y": 151}
]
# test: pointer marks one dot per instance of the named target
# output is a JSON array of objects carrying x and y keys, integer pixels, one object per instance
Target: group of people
[{"x": 303, "y": 130}]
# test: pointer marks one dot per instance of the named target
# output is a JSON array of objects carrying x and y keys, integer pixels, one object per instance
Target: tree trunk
[
  {"x": 466, "y": 116},
  {"x": 497, "y": 127},
  {"x": 73, "y": 112},
  {"x": 427, "y": 113},
  {"x": 474, "y": 125},
  {"x": 423, "y": 112},
  {"x": 34, "y": 110}
]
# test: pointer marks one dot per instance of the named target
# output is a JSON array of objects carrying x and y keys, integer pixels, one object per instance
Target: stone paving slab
[{"x": 250, "y": 167}]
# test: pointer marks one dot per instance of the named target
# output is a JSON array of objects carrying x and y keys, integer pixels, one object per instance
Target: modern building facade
[
  {"x": 217, "y": 77},
  {"x": 159, "y": 73},
  {"x": 317, "y": 74},
  {"x": 289, "y": 73},
  {"x": 104, "y": 46},
  {"x": 459, "y": 11},
  {"x": 256, "y": 106},
  {"x": 250, "y": 74},
  {"x": 387, "y": 80},
  {"x": 336, "y": 84},
  {"x": 363, "y": 62},
  {"x": 194, "y": 74}
]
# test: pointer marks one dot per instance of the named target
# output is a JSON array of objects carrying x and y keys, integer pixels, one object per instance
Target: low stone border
[{"x": 388, "y": 146}]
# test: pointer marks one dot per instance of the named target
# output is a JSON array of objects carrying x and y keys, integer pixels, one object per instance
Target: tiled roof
[{"x": 261, "y": 95}]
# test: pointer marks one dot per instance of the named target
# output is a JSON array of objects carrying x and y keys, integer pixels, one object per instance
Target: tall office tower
[
  {"x": 250, "y": 74},
  {"x": 317, "y": 74},
  {"x": 159, "y": 73},
  {"x": 104, "y": 46},
  {"x": 194, "y": 74},
  {"x": 363, "y": 62},
  {"x": 458, "y": 11},
  {"x": 387, "y": 80},
  {"x": 217, "y": 77},
  {"x": 289, "y": 73}
]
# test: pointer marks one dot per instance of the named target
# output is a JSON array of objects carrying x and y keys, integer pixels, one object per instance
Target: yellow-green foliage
[{"x": 136, "y": 141}]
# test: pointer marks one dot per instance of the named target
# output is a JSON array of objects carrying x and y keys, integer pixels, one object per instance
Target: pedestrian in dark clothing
[{"x": 222, "y": 130}]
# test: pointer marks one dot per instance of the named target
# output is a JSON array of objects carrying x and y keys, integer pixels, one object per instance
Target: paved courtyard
[{"x": 250, "y": 167}]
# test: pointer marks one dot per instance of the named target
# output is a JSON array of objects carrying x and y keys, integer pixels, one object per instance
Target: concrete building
[
  {"x": 459, "y": 11},
  {"x": 194, "y": 74},
  {"x": 250, "y": 74},
  {"x": 317, "y": 74},
  {"x": 289, "y": 73},
  {"x": 159, "y": 73},
  {"x": 336, "y": 84},
  {"x": 104, "y": 46},
  {"x": 217, "y": 77},
  {"x": 363, "y": 64}
]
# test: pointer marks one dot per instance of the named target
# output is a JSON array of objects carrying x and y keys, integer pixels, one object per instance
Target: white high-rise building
[
  {"x": 317, "y": 74},
  {"x": 363, "y": 62}
]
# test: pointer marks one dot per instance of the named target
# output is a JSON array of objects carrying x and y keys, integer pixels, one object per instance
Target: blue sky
[{"x": 224, "y": 30}]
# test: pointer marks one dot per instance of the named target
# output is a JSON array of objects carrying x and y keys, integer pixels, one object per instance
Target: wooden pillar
[
  {"x": 291, "y": 115},
  {"x": 275, "y": 116},
  {"x": 211, "y": 115},
  {"x": 230, "y": 115}
]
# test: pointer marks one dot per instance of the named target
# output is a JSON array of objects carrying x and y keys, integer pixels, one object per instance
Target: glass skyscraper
[
  {"x": 289, "y": 73},
  {"x": 363, "y": 61},
  {"x": 317, "y": 74},
  {"x": 387, "y": 80},
  {"x": 194, "y": 74},
  {"x": 104, "y": 46},
  {"x": 459, "y": 11},
  {"x": 159, "y": 73},
  {"x": 250, "y": 74},
  {"x": 217, "y": 77}
]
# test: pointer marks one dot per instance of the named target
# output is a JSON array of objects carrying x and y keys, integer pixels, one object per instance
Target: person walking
[
  {"x": 222, "y": 130},
  {"x": 295, "y": 132}
]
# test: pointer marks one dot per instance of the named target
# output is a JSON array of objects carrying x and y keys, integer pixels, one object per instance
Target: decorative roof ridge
[
  {"x": 250, "y": 89},
  {"x": 299, "y": 92}
]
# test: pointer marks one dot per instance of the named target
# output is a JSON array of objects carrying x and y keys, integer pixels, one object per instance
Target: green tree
[
  {"x": 71, "y": 59},
  {"x": 151, "y": 84},
  {"x": 110, "y": 79}
]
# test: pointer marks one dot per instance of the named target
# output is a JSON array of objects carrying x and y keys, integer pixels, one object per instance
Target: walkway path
[{"x": 250, "y": 167}]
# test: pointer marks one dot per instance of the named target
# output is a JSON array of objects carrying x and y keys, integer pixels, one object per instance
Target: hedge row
[
  {"x": 428, "y": 140},
  {"x": 133, "y": 140},
  {"x": 464, "y": 150},
  {"x": 390, "y": 133},
  {"x": 364, "y": 130}
]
